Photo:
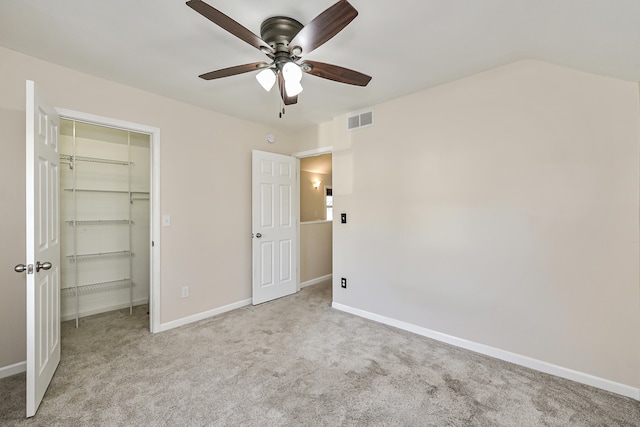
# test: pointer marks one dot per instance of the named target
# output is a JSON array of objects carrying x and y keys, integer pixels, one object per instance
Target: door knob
[
  {"x": 258, "y": 235},
  {"x": 21, "y": 268},
  {"x": 42, "y": 266}
]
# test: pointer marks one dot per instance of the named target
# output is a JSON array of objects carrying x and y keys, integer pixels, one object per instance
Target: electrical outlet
[
  {"x": 343, "y": 282},
  {"x": 185, "y": 292}
]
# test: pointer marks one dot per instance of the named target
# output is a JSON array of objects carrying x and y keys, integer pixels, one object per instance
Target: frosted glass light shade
[
  {"x": 292, "y": 87},
  {"x": 266, "y": 78},
  {"x": 291, "y": 72}
]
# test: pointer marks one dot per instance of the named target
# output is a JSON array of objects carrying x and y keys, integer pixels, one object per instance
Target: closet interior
[{"x": 104, "y": 215}]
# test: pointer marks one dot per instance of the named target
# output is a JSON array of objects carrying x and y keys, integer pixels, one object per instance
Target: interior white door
[
  {"x": 43, "y": 247},
  {"x": 274, "y": 226}
]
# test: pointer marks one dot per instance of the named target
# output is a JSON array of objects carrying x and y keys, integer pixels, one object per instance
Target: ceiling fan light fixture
[
  {"x": 291, "y": 72},
  {"x": 266, "y": 78},
  {"x": 292, "y": 88}
]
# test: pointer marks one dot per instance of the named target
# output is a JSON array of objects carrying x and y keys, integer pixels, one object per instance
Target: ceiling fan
[{"x": 284, "y": 40}]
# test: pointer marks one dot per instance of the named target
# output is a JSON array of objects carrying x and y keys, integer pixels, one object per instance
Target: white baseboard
[
  {"x": 203, "y": 315},
  {"x": 538, "y": 365},
  {"x": 16, "y": 368},
  {"x": 316, "y": 281},
  {"x": 72, "y": 316}
]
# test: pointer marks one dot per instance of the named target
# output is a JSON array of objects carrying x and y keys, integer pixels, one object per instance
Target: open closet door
[
  {"x": 43, "y": 247},
  {"x": 274, "y": 205}
]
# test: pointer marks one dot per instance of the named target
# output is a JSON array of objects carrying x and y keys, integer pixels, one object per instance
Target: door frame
[
  {"x": 154, "y": 194},
  {"x": 301, "y": 155}
]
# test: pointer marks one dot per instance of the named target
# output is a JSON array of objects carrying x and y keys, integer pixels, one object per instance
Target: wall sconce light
[{"x": 316, "y": 183}]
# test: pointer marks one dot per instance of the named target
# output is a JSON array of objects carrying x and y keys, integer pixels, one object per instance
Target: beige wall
[
  {"x": 315, "y": 250},
  {"x": 12, "y": 234},
  {"x": 510, "y": 215},
  {"x": 312, "y": 200},
  {"x": 205, "y": 187}
]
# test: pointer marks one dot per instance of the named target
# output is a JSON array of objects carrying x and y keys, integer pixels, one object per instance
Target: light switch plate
[{"x": 166, "y": 220}]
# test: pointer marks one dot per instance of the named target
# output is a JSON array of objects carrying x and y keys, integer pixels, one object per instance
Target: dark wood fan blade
[
  {"x": 336, "y": 73},
  {"x": 232, "y": 71},
  {"x": 226, "y": 23},
  {"x": 323, "y": 27},
  {"x": 288, "y": 100}
]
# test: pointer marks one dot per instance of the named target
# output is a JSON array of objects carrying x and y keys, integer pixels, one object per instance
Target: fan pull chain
[
  {"x": 279, "y": 98},
  {"x": 281, "y": 113}
]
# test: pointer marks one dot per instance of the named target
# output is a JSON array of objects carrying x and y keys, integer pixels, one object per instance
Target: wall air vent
[{"x": 360, "y": 120}]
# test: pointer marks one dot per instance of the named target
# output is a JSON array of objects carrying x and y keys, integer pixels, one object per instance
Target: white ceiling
[{"x": 161, "y": 46}]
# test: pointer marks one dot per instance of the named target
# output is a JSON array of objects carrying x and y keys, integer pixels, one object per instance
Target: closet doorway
[{"x": 106, "y": 218}]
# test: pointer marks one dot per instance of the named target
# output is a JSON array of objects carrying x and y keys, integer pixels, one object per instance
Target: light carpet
[{"x": 294, "y": 362}]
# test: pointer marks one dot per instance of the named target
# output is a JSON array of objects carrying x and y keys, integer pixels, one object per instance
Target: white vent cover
[{"x": 360, "y": 121}]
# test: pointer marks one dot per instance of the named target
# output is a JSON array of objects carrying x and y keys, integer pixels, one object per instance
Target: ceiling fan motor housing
[{"x": 279, "y": 30}]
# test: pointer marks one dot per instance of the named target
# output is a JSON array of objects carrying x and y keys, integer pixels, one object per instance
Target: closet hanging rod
[
  {"x": 71, "y": 158},
  {"x": 99, "y": 222},
  {"x": 92, "y": 190},
  {"x": 82, "y": 257}
]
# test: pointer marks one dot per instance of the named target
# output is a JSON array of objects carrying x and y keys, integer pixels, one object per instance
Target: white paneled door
[
  {"x": 274, "y": 207},
  {"x": 43, "y": 247}
]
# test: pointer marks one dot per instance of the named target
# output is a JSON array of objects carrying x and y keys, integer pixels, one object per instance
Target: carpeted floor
[{"x": 294, "y": 362}]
